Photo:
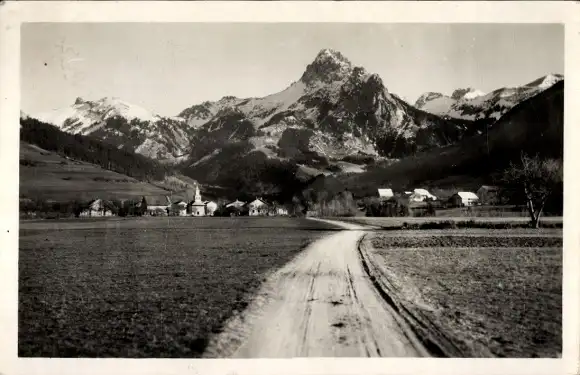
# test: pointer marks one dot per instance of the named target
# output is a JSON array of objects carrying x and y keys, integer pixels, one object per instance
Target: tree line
[{"x": 91, "y": 150}]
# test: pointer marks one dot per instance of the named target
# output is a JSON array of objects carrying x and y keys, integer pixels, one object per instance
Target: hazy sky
[{"x": 168, "y": 67}]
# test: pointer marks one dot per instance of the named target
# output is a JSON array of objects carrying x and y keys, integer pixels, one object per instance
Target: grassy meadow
[
  {"x": 48, "y": 175},
  {"x": 146, "y": 287},
  {"x": 495, "y": 293}
]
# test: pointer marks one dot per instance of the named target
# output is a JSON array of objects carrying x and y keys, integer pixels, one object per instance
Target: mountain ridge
[
  {"x": 336, "y": 118},
  {"x": 472, "y": 104}
]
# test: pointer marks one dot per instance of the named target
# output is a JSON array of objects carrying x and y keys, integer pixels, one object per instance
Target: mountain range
[
  {"x": 472, "y": 104},
  {"x": 336, "y": 118}
]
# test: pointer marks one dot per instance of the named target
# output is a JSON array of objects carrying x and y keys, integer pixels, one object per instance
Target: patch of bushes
[{"x": 449, "y": 224}]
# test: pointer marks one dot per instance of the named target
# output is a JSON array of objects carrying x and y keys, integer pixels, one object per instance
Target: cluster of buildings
[
  {"x": 257, "y": 207},
  {"x": 485, "y": 194},
  {"x": 164, "y": 206}
]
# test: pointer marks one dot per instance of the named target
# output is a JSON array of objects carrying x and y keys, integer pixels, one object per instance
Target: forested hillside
[{"x": 91, "y": 150}]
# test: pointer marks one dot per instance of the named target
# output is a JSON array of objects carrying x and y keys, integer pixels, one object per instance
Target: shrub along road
[{"x": 320, "y": 304}]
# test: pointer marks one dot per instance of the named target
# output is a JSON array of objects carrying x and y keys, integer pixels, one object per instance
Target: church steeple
[{"x": 197, "y": 197}]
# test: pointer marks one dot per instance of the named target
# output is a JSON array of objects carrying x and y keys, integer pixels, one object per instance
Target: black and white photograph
[{"x": 270, "y": 190}]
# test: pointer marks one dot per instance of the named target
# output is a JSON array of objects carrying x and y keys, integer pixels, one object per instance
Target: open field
[
  {"x": 148, "y": 287},
  {"x": 493, "y": 295},
  {"x": 50, "y": 176}
]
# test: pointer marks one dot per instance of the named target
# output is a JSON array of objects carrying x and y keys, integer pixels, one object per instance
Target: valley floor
[
  {"x": 144, "y": 287},
  {"x": 282, "y": 287}
]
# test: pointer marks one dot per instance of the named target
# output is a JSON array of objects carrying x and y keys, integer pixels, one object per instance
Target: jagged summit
[
  {"x": 328, "y": 66},
  {"x": 79, "y": 100},
  {"x": 426, "y": 97},
  {"x": 546, "y": 81}
]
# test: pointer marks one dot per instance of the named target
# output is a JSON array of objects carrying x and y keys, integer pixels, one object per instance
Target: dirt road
[{"x": 319, "y": 305}]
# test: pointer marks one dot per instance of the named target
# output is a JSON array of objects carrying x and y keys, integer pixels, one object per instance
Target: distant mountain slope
[
  {"x": 125, "y": 125},
  {"x": 535, "y": 126},
  {"x": 475, "y": 105}
]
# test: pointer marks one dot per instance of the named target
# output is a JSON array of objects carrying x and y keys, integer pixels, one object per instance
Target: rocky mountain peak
[
  {"x": 466, "y": 93},
  {"x": 328, "y": 66},
  {"x": 426, "y": 97},
  {"x": 79, "y": 100}
]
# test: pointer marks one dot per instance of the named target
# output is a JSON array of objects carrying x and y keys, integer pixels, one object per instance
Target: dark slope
[{"x": 535, "y": 126}]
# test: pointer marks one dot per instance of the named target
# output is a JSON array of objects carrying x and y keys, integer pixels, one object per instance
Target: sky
[{"x": 167, "y": 67}]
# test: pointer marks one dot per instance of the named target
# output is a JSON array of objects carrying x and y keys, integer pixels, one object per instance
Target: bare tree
[{"x": 536, "y": 179}]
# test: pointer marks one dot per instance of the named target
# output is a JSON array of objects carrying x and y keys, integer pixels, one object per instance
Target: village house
[
  {"x": 464, "y": 199},
  {"x": 236, "y": 208},
  {"x": 236, "y": 204},
  {"x": 157, "y": 205},
  {"x": 385, "y": 194},
  {"x": 421, "y": 195},
  {"x": 96, "y": 208},
  {"x": 258, "y": 207},
  {"x": 178, "y": 208}
]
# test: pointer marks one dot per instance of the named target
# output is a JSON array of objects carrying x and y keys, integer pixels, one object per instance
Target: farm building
[
  {"x": 488, "y": 194},
  {"x": 96, "y": 208},
  {"x": 421, "y": 195},
  {"x": 178, "y": 208},
  {"x": 258, "y": 207},
  {"x": 385, "y": 193},
  {"x": 157, "y": 205},
  {"x": 464, "y": 198}
]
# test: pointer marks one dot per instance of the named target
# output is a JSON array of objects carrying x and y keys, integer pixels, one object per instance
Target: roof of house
[
  {"x": 385, "y": 192},
  {"x": 422, "y": 192},
  {"x": 467, "y": 195},
  {"x": 235, "y": 203},
  {"x": 157, "y": 200},
  {"x": 257, "y": 201}
]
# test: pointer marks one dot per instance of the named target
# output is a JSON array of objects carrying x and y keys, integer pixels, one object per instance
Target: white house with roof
[
  {"x": 96, "y": 208},
  {"x": 464, "y": 198},
  {"x": 421, "y": 195},
  {"x": 257, "y": 207},
  {"x": 385, "y": 193}
]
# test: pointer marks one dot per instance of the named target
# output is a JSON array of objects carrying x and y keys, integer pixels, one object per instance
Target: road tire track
[{"x": 321, "y": 304}]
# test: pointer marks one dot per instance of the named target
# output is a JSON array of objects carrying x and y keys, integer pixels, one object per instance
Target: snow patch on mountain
[
  {"x": 472, "y": 104},
  {"x": 472, "y": 94},
  {"x": 124, "y": 124}
]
